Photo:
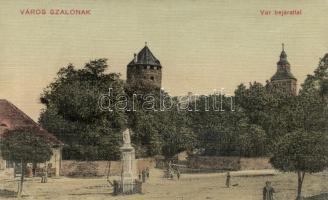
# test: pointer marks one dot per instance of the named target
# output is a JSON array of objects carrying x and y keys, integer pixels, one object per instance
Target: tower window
[
  {"x": 151, "y": 67},
  {"x": 152, "y": 78},
  {"x": 145, "y": 67}
]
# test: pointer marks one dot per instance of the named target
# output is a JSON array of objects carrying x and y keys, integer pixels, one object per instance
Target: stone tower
[
  {"x": 144, "y": 68},
  {"x": 283, "y": 78}
]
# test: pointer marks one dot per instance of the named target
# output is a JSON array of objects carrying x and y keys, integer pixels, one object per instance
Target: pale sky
[{"x": 202, "y": 44}]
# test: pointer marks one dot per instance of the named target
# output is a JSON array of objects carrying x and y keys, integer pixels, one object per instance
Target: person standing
[
  {"x": 268, "y": 191},
  {"x": 147, "y": 172},
  {"x": 178, "y": 174},
  {"x": 143, "y": 173},
  {"x": 228, "y": 180}
]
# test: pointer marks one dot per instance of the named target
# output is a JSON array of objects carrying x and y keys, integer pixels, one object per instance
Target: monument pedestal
[{"x": 128, "y": 175}]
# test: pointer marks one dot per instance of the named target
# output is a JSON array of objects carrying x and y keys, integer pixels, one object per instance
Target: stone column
[{"x": 128, "y": 161}]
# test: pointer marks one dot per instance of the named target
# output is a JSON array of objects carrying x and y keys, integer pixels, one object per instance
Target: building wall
[
  {"x": 146, "y": 74},
  {"x": 56, "y": 160},
  {"x": 288, "y": 85}
]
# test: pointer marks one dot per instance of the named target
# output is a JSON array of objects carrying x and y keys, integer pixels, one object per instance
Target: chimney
[{"x": 135, "y": 58}]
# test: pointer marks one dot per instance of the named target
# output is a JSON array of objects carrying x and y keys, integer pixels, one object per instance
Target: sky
[{"x": 202, "y": 45}]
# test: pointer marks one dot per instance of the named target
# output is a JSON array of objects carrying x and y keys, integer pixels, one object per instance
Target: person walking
[{"x": 268, "y": 191}]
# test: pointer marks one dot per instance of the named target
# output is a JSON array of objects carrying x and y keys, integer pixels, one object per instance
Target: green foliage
[
  {"x": 263, "y": 114},
  {"x": 320, "y": 75},
  {"x": 304, "y": 149},
  {"x": 25, "y": 145},
  {"x": 177, "y": 136},
  {"x": 252, "y": 141},
  {"x": 156, "y": 130},
  {"x": 218, "y": 131},
  {"x": 73, "y": 113},
  {"x": 301, "y": 151}
]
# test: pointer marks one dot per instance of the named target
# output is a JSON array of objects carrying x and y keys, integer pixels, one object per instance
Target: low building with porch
[{"x": 11, "y": 118}]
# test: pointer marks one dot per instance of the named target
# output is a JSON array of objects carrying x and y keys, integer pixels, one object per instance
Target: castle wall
[{"x": 146, "y": 74}]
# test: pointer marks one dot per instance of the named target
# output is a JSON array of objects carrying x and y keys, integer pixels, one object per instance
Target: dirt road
[{"x": 248, "y": 186}]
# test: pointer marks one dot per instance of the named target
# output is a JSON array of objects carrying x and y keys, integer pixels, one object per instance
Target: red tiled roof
[{"x": 12, "y": 117}]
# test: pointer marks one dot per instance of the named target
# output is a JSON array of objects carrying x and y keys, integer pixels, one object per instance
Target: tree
[
  {"x": 265, "y": 106},
  {"x": 301, "y": 152},
  {"x": 177, "y": 136},
  {"x": 74, "y": 115},
  {"x": 157, "y": 130},
  {"x": 144, "y": 118},
  {"x": 25, "y": 145},
  {"x": 305, "y": 148},
  {"x": 217, "y": 128},
  {"x": 252, "y": 141},
  {"x": 320, "y": 75}
]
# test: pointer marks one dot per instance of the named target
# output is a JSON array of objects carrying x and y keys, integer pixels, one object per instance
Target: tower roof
[
  {"x": 145, "y": 57},
  {"x": 282, "y": 75},
  {"x": 283, "y": 72},
  {"x": 283, "y": 57}
]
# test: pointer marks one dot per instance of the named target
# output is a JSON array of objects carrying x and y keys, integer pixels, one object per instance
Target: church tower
[
  {"x": 283, "y": 78},
  {"x": 144, "y": 68}
]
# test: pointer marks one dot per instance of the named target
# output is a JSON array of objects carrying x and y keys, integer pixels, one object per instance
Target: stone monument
[{"x": 128, "y": 174}]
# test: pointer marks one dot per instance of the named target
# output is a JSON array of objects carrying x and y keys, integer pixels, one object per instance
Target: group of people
[
  {"x": 267, "y": 190},
  {"x": 144, "y": 174},
  {"x": 171, "y": 170}
]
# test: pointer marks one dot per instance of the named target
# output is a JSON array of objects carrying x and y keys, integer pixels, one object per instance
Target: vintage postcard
[{"x": 164, "y": 100}]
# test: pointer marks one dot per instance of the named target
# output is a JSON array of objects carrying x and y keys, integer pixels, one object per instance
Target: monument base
[{"x": 128, "y": 177}]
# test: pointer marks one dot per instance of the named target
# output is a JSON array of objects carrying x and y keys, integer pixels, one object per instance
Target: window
[{"x": 152, "y": 78}]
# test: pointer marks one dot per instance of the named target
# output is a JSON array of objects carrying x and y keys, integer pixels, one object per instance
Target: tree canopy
[
  {"x": 25, "y": 145},
  {"x": 73, "y": 112},
  {"x": 304, "y": 149},
  {"x": 246, "y": 124}
]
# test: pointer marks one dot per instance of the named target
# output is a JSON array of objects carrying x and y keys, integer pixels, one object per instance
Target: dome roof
[
  {"x": 283, "y": 72},
  {"x": 282, "y": 75}
]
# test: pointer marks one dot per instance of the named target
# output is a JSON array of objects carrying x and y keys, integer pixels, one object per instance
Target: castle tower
[
  {"x": 144, "y": 68},
  {"x": 283, "y": 78}
]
